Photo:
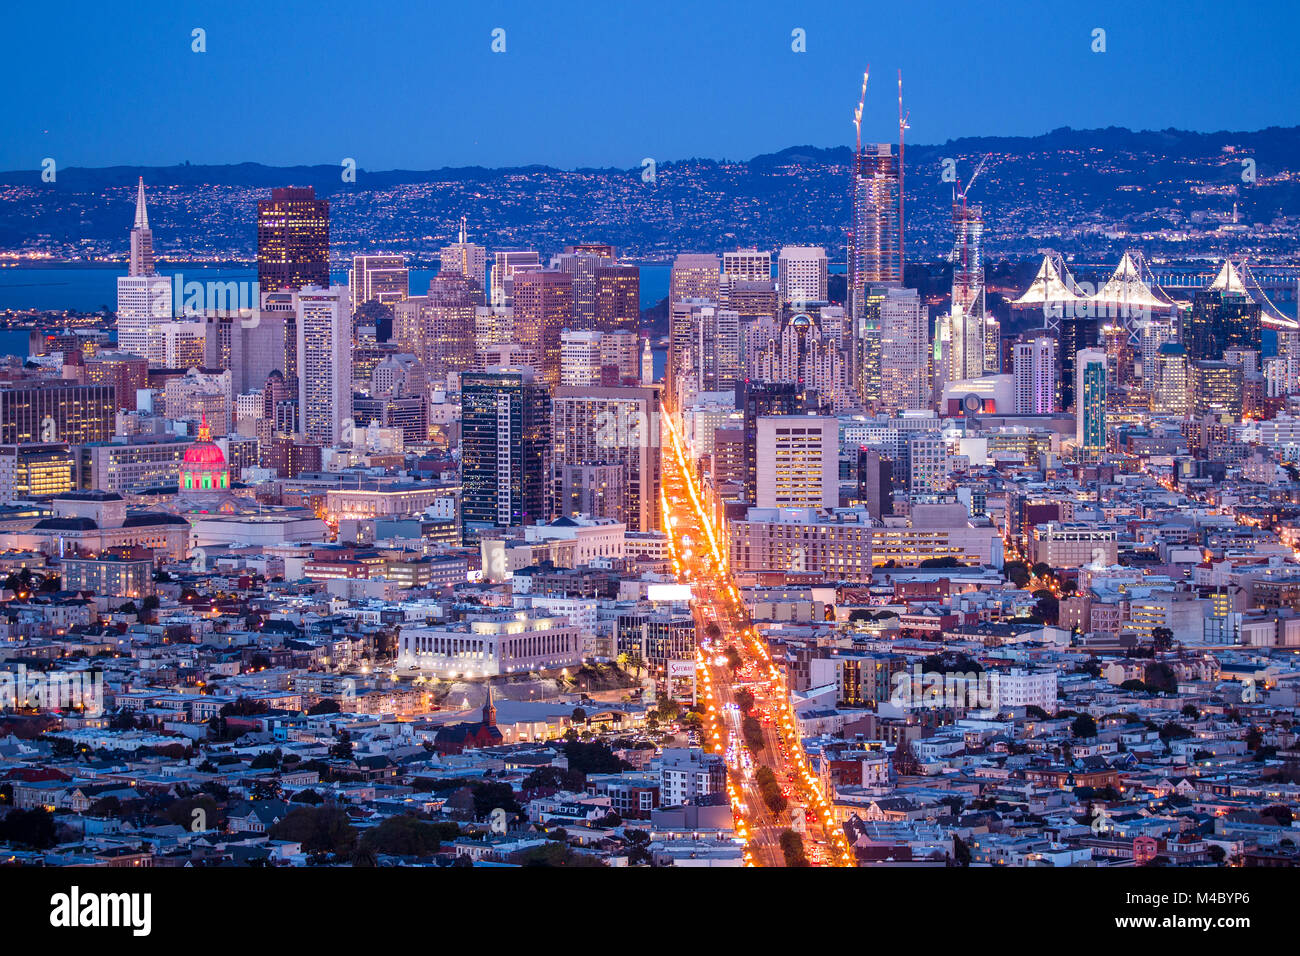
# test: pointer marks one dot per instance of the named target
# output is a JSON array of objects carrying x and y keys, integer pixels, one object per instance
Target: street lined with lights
[{"x": 731, "y": 680}]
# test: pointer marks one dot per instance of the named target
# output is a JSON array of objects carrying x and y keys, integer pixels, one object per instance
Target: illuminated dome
[{"x": 204, "y": 467}]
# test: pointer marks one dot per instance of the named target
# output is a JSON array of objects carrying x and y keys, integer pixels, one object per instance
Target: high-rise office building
[
  {"x": 543, "y": 308},
  {"x": 581, "y": 357},
  {"x": 694, "y": 281},
  {"x": 864, "y": 344},
  {"x": 874, "y": 250},
  {"x": 581, "y": 262},
  {"x": 1090, "y": 403},
  {"x": 611, "y": 426},
  {"x": 1217, "y": 390},
  {"x": 470, "y": 260},
  {"x": 760, "y": 399},
  {"x": 694, "y": 276},
  {"x": 904, "y": 351},
  {"x": 293, "y": 252},
  {"x": 505, "y": 428},
  {"x": 802, "y": 275},
  {"x": 715, "y": 360},
  {"x": 875, "y": 256},
  {"x": 1034, "y": 375},
  {"x": 52, "y": 411},
  {"x": 144, "y": 298},
  {"x": 798, "y": 462},
  {"x": 324, "y": 328},
  {"x": 1079, "y": 331},
  {"x": 293, "y": 240},
  {"x": 618, "y": 298},
  {"x": 875, "y": 482},
  {"x": 1223, "y": 317},
  {"x": 747, "y": 265},
  {"x": 1167, "y": 381},
  {"x": 505, "y": 264},
  {"x": 967, "y": 264},
  {"x": 438, "y": 327},
  {"x": 379, "y": 278},
  {"x": 125, "y": 372}
]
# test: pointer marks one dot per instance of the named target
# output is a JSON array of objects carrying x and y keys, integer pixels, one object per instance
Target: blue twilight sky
[{"x": 414, "y": 83}]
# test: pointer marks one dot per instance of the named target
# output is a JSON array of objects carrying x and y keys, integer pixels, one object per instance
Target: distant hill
[{"x": 1081, "y": 191}]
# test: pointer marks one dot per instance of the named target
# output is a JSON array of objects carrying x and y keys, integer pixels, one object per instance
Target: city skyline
[{"x": 882, "y": 506}]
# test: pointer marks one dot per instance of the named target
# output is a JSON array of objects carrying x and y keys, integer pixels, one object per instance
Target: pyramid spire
[
  {"x": 205, "y": 433},
  {"x": 489, "y": 709},
  {"x": 141, "y": 214}
]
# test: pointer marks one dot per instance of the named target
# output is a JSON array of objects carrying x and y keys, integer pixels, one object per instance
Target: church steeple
[{"x": 489, "y": 709}]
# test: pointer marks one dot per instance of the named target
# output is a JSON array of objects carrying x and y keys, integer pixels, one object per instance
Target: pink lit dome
[{"x": 204, "y": 467}]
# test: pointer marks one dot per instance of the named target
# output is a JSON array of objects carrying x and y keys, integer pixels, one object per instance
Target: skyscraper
[
  {"x": 293, "y": 252},
  {"x": 1223, "y": 317},
  {"x": 1034, "y": 374},
  {"x": 504, "y": 266},
  {"x": 715, "y": 357},
  {"x": 144, "y": 298},
  {"x": 618, "y": 298},
  {"x": 694, "y": 276},
  {"x": 759, "y": 399},
  {"x": 747, "y": 265},
  {"x": 543, "y": 308},
  {"x": 967, "y": 264},
  {"x": 470, "y": 260},
  {"x": 323, "y": 318},
  {"x": 798, "y": 462},
  {"x": 505, "y": 427},
  {"x": 874, "y": 255},
  {"x": 1090, "y": 403},
  {"x": 611, "y": 426},
  {"x": 438, "y": 327},
  {"x": 802, "y": 274},
  {"x": 904, "y": 351},
  {"x": 1167, "y": 380},
  {"x": 694, "y": 282},
  {"x": 581, "y": 262},
  {"x": 381, "y": 278},
  {"x": 293, "y": 240}
]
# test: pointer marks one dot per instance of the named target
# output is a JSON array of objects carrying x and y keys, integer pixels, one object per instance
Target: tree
[
  {"x": 325, "y": 829},
  {"x": 745, "y": 700},
  {"x": 326, "y": 706},
  {"x": 1190, "y": 712},
  {"x": 1084, "y": 726},
  {"x": 1017, "y": 572},
  {"x": 1162, "y": 638},
  {"x": 403, "y": 836},
  {"x": 593, "y": 757},
  {"x": 266, "y": 760},
  {"x": 752, "y": 731},
  {"x": 343, "y": 749},
  {"x": 32, "y": 828},
  {"x": 1161, "y": 677},
  {"x": 488, "y": 796},
  {"x": 733, "y": 657},
  {"x": 792, "y": 848},
  {"x": 579, "y": 716}
]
